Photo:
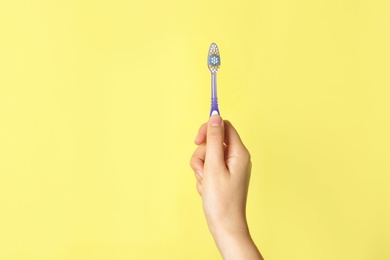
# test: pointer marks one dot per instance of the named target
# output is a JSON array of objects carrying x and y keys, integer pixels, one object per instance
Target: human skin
[{"x": 222, "y": 167}]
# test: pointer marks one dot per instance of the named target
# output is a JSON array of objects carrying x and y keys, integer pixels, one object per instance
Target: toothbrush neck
[{"x": 214, "y": 85}]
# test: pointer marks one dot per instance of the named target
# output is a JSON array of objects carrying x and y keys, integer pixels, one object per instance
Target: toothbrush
[{"x": 214, "y": 62}]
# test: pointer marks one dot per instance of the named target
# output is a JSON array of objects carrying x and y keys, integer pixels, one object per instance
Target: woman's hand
[{"x": 222, "y": 168}]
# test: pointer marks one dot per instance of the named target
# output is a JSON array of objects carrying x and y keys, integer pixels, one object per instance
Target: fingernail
[
  {"x": 200, "y": 173},
  {"x": 215, "y": 120}
]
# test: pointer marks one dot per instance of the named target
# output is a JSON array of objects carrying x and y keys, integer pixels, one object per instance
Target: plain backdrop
[{"x": 100, "y": 102}]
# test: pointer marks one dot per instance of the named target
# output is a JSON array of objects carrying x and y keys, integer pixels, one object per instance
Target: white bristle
[{"x": 213, "y": 60}]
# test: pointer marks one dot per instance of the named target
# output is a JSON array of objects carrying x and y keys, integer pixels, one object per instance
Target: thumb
[{"x": 215, "y": 139}]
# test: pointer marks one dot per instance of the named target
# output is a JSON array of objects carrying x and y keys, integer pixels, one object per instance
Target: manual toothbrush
[{"x": 214, "y": 62}]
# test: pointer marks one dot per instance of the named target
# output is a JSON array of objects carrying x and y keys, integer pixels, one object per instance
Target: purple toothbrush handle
[{"x": 214, "y": 107}]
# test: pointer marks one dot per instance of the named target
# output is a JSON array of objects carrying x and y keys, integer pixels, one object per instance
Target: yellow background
[{"x": 100, "y": 102}]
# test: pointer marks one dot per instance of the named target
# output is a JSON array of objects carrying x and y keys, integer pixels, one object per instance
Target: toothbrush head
[{"x": 213, "y": 59}]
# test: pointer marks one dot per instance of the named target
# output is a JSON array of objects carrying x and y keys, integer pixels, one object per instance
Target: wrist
[{"x": 234, "y": 228}]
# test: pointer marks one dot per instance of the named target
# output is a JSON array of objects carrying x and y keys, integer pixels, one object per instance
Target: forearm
[{"x": 236, "y": 244}]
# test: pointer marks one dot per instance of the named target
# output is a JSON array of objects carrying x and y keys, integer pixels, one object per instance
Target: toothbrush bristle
[{"x": 213, "y": 59}]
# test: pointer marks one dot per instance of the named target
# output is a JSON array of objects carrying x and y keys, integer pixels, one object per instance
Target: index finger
[{"x": 201, "y": 136}]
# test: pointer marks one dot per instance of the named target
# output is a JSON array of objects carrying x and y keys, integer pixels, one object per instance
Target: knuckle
[
  {"x": 198, "y": 177},
  {"x": 193, "y": 164},
  {"x": 196, "y": 163},
  {"x": 246, "y": 155},
  {"x": 192, "y": 161},
  {"x": 214, "y": 136}
]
